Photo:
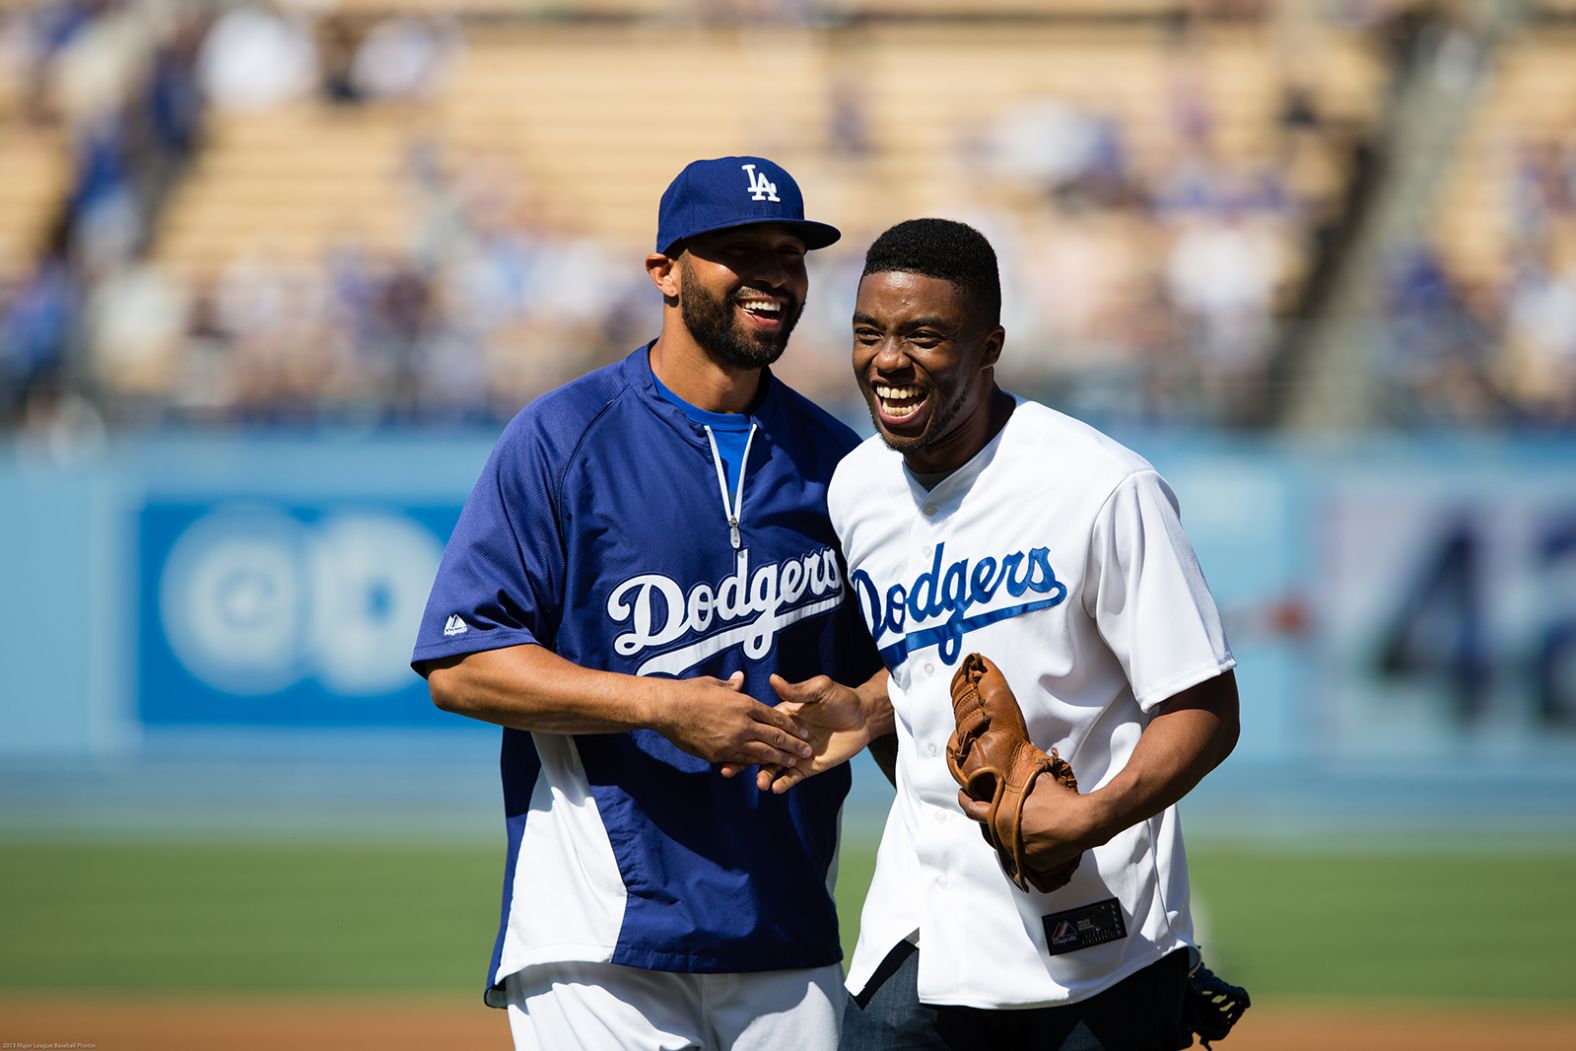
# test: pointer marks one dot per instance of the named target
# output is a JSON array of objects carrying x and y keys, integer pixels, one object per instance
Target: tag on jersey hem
[{"x": 1083, "y": 927}]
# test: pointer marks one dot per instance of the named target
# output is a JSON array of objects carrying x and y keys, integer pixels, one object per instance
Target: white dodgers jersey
[{"x": 1059, "y": 554}]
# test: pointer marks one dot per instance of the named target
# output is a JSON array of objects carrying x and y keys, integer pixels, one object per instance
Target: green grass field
[{"x": 327, "y": 918}]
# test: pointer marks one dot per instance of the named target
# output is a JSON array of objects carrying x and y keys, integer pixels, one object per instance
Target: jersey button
[
  {"x": 941, "y": 880},
  {"x": 930, "y": 669},
  {"x": 932, "y": 748},
  {"x": 930, "y": 509}
]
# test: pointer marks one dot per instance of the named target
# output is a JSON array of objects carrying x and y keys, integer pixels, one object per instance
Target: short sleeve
[
  {"x": 1148, "y": 595},
  {"x": 501, "y": 580}
]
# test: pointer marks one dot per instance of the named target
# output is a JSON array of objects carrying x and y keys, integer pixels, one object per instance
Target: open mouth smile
[
  {"x": 897, "y": 404},
  {"x": 762, "y": 310}
]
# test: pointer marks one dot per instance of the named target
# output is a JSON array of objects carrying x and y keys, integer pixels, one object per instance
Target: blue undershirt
[{"x": 731, "y": 430}]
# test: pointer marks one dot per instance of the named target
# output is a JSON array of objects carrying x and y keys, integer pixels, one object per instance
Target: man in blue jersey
[{"x": 644, "y": 567}]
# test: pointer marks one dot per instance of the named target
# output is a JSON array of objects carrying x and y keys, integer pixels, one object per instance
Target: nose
[
  {"x": 766, "y": 268},
  {"x": 891, "y": 355}
]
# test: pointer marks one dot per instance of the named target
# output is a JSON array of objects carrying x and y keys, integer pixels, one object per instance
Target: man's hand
[
  {"x": 839, "y": 721},
  {"x": 1057, "y": 825},
  {"x": 1189, "y": 735},
  {"x": 717, "y": 721},
  {"x": 999, "y": 769}
]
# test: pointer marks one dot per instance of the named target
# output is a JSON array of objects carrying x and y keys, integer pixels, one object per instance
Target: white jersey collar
[{"x": 953, "y": 487}]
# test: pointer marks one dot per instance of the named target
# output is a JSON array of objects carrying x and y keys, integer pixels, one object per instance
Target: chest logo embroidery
[
  {"x": 747, "y": 607},
  {"x": 947, "y": 592}
]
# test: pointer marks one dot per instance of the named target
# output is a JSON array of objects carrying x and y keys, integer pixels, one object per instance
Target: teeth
[
  {"x": 889, "y": 395},
  {"x": 763, "y": 306}
]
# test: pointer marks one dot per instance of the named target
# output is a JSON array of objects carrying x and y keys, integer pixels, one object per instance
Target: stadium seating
[
  {"x": 288, "y": 183},
  {"x": 34, "y": 166},
  {"x": 595, "y": 117},
  {"x": 555, "y": 130},
  {"x": 1530, "y": 101}
]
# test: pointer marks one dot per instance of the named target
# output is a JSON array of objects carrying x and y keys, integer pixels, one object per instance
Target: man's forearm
[
  {"x": 532, "y": 688},
  {"x": 1191, "y": 735},
  {"x": 881, "y": 721}
]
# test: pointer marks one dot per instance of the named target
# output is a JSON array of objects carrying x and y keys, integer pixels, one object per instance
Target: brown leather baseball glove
[{"x": 991, "y": 757}]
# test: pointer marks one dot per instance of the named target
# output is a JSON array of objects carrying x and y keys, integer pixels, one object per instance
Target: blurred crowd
[
  {"x": 1462, "y": 351},
  {"x": 1137, "y": 290}
]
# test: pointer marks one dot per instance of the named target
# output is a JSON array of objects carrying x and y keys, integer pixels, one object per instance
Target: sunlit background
[{"x": 273, "y": 276}]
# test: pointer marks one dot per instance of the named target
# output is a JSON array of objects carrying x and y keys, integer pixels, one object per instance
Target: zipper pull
[{"x": 733, "y": 531}]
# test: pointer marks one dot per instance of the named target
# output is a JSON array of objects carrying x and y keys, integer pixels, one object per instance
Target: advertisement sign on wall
[{"x": 268, "y": 613}]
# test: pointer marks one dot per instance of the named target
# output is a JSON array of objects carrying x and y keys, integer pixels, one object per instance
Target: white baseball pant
[{"x": 609, "y": 1007}]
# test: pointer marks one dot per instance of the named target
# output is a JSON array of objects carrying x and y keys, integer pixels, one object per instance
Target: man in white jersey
[{"x": 977, "y": 521}]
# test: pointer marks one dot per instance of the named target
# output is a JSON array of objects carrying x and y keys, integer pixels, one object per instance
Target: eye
[
  {"x": 866, "y": 335},
  {"x": 925, "y": 338}
]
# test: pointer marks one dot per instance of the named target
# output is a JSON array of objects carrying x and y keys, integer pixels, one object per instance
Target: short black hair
[{"x": 952, "y": 251}]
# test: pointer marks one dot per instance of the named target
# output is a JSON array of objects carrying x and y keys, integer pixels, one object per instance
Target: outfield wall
[{"x": 1386, "y": 600}]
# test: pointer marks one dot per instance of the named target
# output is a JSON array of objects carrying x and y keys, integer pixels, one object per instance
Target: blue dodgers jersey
[{"x": 597, "y": 529}]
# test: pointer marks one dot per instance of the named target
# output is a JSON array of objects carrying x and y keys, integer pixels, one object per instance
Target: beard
[{"x": 714, "y": 326}]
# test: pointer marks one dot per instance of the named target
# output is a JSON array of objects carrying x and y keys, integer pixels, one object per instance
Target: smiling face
[
  {"x": 924, "y": 363},
  {"x": 742, "y": 291}
]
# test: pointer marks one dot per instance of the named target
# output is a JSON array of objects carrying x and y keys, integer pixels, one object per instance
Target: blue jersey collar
[{"x": 637, "y": 370}]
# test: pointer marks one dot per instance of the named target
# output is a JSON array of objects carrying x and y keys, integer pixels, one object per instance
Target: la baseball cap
[{"x": 724, "y": 192}]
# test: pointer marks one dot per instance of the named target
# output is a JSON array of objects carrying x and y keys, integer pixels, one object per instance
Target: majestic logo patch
[
  {"x": 949, "y": 591},
  {"x": 456, "y": 626},
  {"x": 761, "y": 188},
  {"x": 748, "y": 607},
  {"x": 1085, "y": 926}
]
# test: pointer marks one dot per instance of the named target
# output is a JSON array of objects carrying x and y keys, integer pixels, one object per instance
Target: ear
[
  {"x": 664, "y": 273},
  {"x": 994, "y": 339}
]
